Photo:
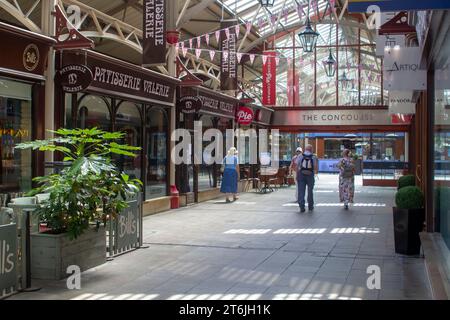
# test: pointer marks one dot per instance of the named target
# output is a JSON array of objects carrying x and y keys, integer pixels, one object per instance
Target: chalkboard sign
[
  {"x": 127, "y": 226},
  {"x": 8, "y": 258}
]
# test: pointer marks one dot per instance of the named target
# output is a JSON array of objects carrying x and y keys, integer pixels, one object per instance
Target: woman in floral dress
[{"x": 346, "y": 168}]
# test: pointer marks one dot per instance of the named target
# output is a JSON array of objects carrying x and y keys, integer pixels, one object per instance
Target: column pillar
[
  {"x": 48, "y": 29},
  {"x": 172, "y": 16}
]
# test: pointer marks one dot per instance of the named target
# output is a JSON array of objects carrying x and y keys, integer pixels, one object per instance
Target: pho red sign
[{"x": 244, "y": 116}]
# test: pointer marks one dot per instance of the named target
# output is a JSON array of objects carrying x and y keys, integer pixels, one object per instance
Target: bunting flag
[
  {"x": 248, "y": 27},
  {"x": 333, "y": 5},
  {"x": 198, "y": 52},
  {"x": 239, "y": 57},
  {"x": 260, "y": 23},
  {"x": 182, "y": 45},
  {"x": 198, "y": 42},
  {"x": 184, "y": 52},
  {"x": 212, "y": 53},
  {"x": 252, "y": 58},
  {"x": 237, "y": 29},
  {"x": 217, "y": 34},
  {"x": 300, "y": 11},
  {"x": 177, "y": 46},
  {"x": 190, "y": 43},
  {"x": 273, "y": 20},
  {"x": 264, "y": 59},
  {"x": 207, "y": 38}
]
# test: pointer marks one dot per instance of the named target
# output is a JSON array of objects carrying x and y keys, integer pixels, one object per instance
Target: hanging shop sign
[
  {"x": 190, "y": 104},
  {"x": 8, "y": 257},
  {"x": 402, "y": 70},
  {"x": 365, "y": 117},
  {"x": 269, "y": 70},
  {"x": 117, "y": 78},
  {"x": 74, "y": 78},
  {"x": 396, "y": 5},
  {"x": 402, "y": 102},
  {"x": 388, "y": 42},
  {"x": 244, "y": 116},
  {"x": 154, "y": 33},
  {"x": 228, "y": 61}
]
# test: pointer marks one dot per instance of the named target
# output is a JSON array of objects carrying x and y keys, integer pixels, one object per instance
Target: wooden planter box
[{"x": 52, "y": 254}]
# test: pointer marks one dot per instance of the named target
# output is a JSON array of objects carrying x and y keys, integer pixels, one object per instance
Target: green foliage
[
  {"x": 92, "y": 187},
  {"x": 410, "y": 197},
  {"x": 405, "y": 181}
]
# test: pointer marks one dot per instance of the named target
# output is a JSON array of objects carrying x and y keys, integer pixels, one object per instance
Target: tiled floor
[{"x": 260, "y": 247}]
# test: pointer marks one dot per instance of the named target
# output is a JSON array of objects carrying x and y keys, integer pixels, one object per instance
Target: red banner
[
  {"x": 269, "y": 90},
  {"x": 293, "y": 88}
]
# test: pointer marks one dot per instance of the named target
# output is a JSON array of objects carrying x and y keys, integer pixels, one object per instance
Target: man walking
[
  {"x": 293, "y": 169},
  {"x": 307, "y": 168}
]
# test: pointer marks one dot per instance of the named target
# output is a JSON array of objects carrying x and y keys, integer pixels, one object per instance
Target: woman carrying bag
[
  {"x": 230, "y": 174},
  {"x": 346, "y": 168}
]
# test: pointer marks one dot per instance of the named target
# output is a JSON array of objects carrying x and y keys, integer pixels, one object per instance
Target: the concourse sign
[{"x": 397, "y": 5}]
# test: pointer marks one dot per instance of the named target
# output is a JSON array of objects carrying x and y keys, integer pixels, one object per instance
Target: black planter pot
[{"x": 407, "y": 225}]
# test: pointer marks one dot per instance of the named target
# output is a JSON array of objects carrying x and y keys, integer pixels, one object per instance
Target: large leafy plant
[{"x": 91, "y": 187}]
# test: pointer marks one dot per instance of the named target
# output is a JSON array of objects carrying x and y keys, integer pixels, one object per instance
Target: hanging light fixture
[
  {"x": 330, "y": 65},
  {"x": 308, "y": 37},
  {"x": 344, "y": 80},
  {"x": 267, "y": 3}
]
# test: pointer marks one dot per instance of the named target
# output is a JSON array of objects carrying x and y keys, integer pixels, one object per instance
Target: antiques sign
[{"x": 154, "y": 33}]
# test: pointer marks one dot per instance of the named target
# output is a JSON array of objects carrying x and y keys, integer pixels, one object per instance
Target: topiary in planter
[
  {"x": 410, "y": 197},
  {"x": 405, "y": 181}
]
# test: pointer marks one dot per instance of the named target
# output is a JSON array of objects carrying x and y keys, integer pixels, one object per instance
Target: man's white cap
[{"x": 299, "y": 149}]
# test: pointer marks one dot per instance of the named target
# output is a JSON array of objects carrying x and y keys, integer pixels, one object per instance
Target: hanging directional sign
[{"x": 396, "y": 5}]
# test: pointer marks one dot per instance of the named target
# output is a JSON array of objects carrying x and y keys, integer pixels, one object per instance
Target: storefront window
[
  {"x": 128, "y": 120},
  {"x": 442, "y": 152},
  {"x": 93, "y": 111},
  {"x": 156, "y": 136},
  {"x": 15, "y": 127},
  {"x": 206, "y": 172}
]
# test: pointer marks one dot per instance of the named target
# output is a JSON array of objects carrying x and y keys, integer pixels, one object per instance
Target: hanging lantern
[
  {"x": 330, "y": 66},
  {"x": 308, "y": 37},
  {"x": 267, "y": 3},
  {"x": 344, "y": 80}
]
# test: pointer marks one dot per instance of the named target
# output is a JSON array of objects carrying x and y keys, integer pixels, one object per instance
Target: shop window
[
  {"x": 128, "y": 120},
  {"x": 156, "y": 134},
  {"x": 15, "y": 127},
  {"x": 93, "y": 111}
]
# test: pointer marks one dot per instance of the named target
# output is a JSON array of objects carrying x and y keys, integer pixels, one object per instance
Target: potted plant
[
  {"x": 409, "y": 217},
  {"x": 88, "y": 191},
  {"x": 405, "y": 181}
]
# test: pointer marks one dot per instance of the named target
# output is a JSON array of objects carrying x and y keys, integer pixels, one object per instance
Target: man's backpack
[{"x": 307, "y": 165}]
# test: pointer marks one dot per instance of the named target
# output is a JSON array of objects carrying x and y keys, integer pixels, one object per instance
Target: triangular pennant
[
  {"x": 273, "y": 20},
  {"x": 182, "y": 45},
  {"x": 237, "y": 29},
  {"x": 177, "y": 46},
  {"x": 217, "y": 34},
  {"x": 248, "y": 27},
  {"x": 212, "y": 53},
  {"x": 198, "y": 52},
  {"x": 207, "y": 38},
  {"x": 198, "y": 42},
  {"x": 190, "y": 43},
  {"x": 239, "y": 57},
  {"x": 184, "y": 52},
  {"x": 300, "y": 11},
  {"x": 333, "y": 4},
  {"x": 252, "y": 58},
  {"x": 227, "y": 33},
  {"x": 264, "y": 59}
]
